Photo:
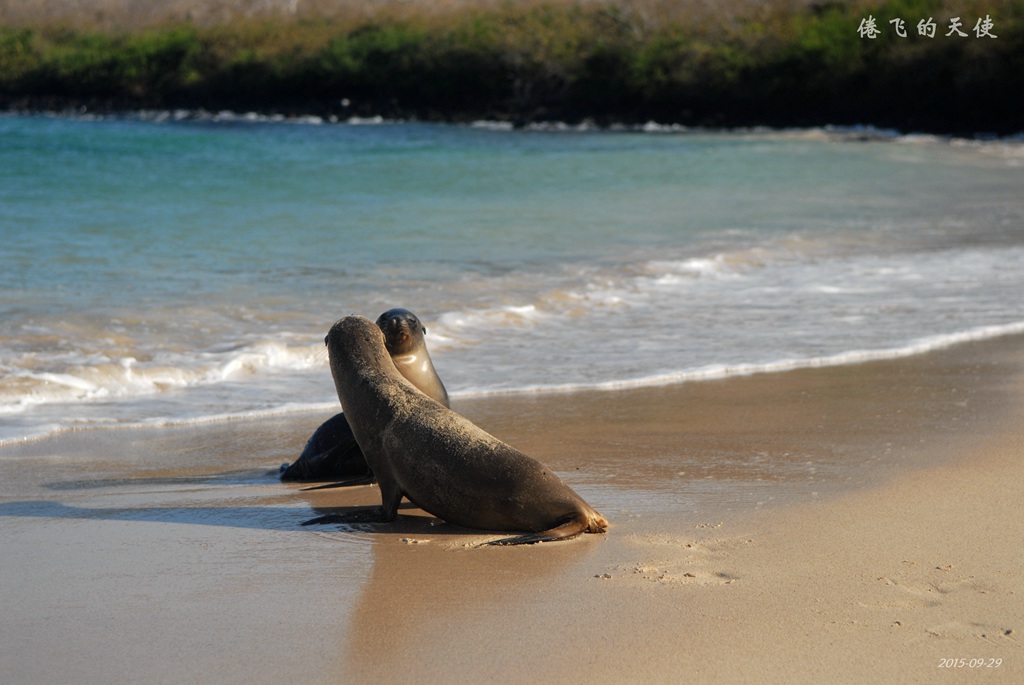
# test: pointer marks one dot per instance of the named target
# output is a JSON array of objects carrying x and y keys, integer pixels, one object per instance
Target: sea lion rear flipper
[{"x": 565, "y": 531}]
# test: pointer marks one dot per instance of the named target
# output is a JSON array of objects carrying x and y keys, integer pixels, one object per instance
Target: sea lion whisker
[{"x": 321, "y": 359}]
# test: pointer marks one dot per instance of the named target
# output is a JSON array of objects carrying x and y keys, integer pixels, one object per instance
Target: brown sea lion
[
  {"x": 405, "y": 342},
  {"x": 440, "y": 461},
  {"x": 332, "y": 453}
]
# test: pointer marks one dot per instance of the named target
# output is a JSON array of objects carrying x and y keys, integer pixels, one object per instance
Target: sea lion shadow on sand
[
  {"x": 231, "y": 515},
  {"x": 332, "y": 452},
  {"x": 238, "y": 477},
  {"x": 420, "y": 449},
  {"x": 251, "y": 517},
  {"x": 352, "y": 516}
]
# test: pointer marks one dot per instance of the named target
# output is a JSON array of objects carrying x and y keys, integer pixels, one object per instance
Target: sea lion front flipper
[
  {"x": 387, "y": 512},
  {"x": 566, "y": 531}
]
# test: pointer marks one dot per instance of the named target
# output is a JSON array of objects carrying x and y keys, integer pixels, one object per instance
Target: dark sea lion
[
  {"x": 332, "y": 453},
  {"x": 440, "y": 461}
]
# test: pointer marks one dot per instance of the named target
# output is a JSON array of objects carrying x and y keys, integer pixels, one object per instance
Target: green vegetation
[{"x": 528, "y": 61}]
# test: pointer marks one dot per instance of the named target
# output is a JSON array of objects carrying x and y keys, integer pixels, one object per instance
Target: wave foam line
[
  {"x": 126, "y": 378},
  {"x": 710, "y": 372},
  {"x": 51, "y": 430},
  {"x": 720, "y": 371}
]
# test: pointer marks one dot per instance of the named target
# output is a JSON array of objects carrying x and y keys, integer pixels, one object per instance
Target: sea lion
[
  {"x": 405, "y": 342},
  {"x": 332, "y": 452},
  {"x": 439, "y": 460}
]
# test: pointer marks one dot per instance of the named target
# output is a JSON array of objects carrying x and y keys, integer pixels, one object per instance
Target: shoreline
[
  {"x": 845, "y": 524},
  {"x": 916, "y": 348},
  {"x": 89, "y": 110}
]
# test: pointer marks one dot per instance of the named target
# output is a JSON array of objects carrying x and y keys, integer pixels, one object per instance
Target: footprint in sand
[
  {"x": 927, "y": 596},
  {"x": 915, "y": 587},
  {"x": 673, "y": 560}
]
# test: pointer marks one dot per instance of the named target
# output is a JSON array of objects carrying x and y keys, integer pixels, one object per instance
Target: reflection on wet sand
[
  {"x": 429, "y": 577},
  {"x": 456, "y": 585}
]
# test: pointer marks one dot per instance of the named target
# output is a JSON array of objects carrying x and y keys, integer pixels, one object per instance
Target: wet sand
[{"x": 848, "y": 524}]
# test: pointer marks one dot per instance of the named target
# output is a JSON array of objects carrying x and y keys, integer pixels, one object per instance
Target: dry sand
[{"x": 849, "y": 524}]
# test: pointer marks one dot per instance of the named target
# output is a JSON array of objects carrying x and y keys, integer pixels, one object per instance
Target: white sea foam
[
  {"x": 716, "y": 266},
  {"x": 655, "y": 127},
  {"x": 366, "y": 121},
  {"x": 462, "y": 326},
  {"x": 721, "y": 371},
  {"x": 493, "y": 125},
  {"x": 127, "y": 377}
]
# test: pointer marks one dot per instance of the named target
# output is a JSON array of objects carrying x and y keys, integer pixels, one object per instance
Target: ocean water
[{"x": 169, "y": 269}]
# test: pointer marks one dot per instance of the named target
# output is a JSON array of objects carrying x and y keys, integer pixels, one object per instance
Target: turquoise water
[{"x": 159, "y": 271}]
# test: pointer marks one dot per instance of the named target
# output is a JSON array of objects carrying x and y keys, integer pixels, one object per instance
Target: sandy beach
[{"x": 847, "y": 524}]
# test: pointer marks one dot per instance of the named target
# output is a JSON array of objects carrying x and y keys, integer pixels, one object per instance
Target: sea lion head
[
  {"x": 355, "y": 337},
  {"x": 403, "y": 331}
]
